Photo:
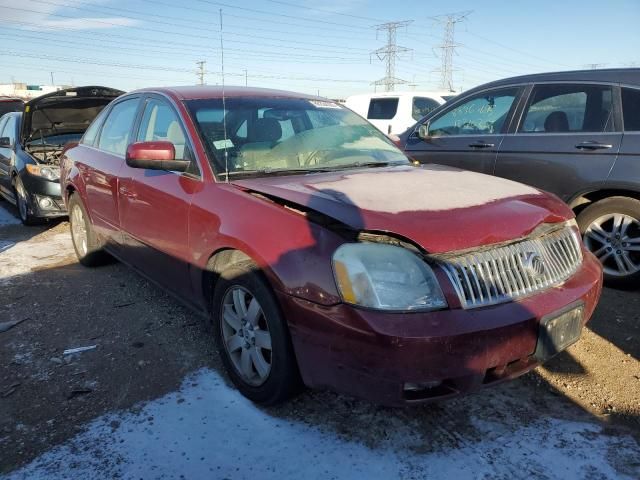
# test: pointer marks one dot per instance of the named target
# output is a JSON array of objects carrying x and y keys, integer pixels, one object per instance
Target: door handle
[
  {"x": 590, "y": 145},
  {"x": 481, "y": 145}
]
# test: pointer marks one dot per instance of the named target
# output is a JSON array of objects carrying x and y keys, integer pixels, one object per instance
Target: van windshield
[{"x": 261, "y": 136}]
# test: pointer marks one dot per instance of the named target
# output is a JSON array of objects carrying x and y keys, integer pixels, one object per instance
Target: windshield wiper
[{"x": 268, "y": 171}]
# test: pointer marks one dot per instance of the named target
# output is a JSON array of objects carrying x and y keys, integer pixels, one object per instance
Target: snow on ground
[
  {"x": 208, "y": 430},
  {"x": 6, "y": 217},
  {"x": 42, "y": 251}
]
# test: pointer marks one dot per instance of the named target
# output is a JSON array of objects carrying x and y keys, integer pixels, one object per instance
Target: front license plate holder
[{"x": 558, "y": 331}]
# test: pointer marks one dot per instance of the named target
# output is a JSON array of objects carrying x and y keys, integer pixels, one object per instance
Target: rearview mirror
[
  {"x": 423, "y": 131},
  {"x": 155, "y": 156},
  {"x": 5, "y": 142}
]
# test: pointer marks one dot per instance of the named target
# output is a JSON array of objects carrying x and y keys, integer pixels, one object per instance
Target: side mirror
[
  {"x": 423, "y": 131},
  {"x": 155, "y": 156},
  {"x": 5, "y": 142}
]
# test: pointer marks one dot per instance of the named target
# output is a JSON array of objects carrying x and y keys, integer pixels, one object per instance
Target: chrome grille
[{"x": 504, "y": 273}]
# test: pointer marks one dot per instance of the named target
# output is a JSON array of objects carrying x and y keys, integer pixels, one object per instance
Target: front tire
[
  {"x": 22, "y": 203},
  {"x": 85, "y": 242},
  {"x": 611, "y": 231},
  {"x": 252, "y": 336}
]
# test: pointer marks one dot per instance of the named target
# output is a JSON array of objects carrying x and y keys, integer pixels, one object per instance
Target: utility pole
[
  {"x": 200, "y": 72},
  {"x": 389, "y": 53},
  {"x": 246, "y": 78},
  {"x": 449, "y": 45},
  {"x": 595, "y": 66},
  {"x": 52, "y": 79}
]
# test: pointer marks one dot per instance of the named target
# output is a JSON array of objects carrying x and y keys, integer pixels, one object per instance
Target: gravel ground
[{"x": 91, "y": 414}]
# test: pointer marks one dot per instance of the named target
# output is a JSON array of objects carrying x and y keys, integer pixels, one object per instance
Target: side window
[
  {"x": 631, "y": 109},
  {"x": 89, "y": 137},
  {"x": 160, "y": 122},
  {"x": 10, "y": 129},
  {"x": 421, "y": 106},
  {"x": 382, "y": 108},
  {"x": 569, "y": 108},
  {"x": 482, "y": 114},
  {"x": 115, "y": 135}
]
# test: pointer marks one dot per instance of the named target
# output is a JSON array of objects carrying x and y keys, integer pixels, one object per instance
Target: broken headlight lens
[
  {"x": 50, "y": 173},
  {"x": 385, "y": 277}
]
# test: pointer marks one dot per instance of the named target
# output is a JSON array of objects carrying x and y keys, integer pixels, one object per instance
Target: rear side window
[
  {"x": 382, "y": 108},
  {"x": 422, "y": 106},
  {"x": 631, "y": 109},
  {"x": 569, "y": 108},
  {"x": 116, "y": 133}
]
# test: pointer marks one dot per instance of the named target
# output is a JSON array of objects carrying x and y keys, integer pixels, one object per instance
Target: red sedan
[{"x": 319, "y": 253}]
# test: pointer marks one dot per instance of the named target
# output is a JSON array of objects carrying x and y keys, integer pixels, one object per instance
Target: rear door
[
  {"x": 626, "y": 172},
  {"x": 566, "y": 140},
  {"x": 154, "y": 205},
  {"x": 468, "y": 134},
  {"x": 100, "y": 163}
]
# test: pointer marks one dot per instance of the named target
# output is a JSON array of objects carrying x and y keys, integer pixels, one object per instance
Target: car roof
[
  {"x": 630, "y": 76},
  {"x": 199, "y": 92}
]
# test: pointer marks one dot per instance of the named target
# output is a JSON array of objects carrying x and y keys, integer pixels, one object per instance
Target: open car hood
[
  {"x": 64, "y": 111},
  {"x": 440, "y": 208}
]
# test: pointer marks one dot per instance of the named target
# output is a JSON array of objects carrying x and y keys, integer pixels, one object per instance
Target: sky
[{"x": 305, "y": 45}]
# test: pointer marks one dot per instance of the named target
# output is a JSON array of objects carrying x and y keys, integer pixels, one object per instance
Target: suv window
[
  {"x": 421, "y": 106},
  {"x": 115, "y": 134},
  {"x": 569, "y": 108},
  {"x": 482, "y": 114},
  {"x": 631, "y": 109},
  {"x": 382, "y": 108},
  {"x": 11, "y": 106}
]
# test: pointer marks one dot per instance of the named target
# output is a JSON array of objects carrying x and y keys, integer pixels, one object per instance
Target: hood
[
  {"x": 63, "y": 112},
  {"x": 440, "y": 208}
]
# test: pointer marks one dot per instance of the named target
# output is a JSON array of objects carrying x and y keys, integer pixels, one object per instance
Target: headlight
[
  {"x": 50, "y": 173},
  {"x": 385, "y": 277}
]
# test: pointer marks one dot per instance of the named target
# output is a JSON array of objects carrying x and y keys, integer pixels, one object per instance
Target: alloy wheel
[
  {"x": 79, "y": 230},
  {"x": 615, "y": 239},
  {"x": 246, "y": 336}
]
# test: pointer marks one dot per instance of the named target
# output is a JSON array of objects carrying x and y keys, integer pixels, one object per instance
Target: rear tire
[
  {"x": 255, "y": 347},
  {"x": 86, "y": 244},
  {"x": 610, "y": 229}
]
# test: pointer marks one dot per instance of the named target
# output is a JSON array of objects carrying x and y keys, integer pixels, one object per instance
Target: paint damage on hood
[{"x": 440, "y": 208}]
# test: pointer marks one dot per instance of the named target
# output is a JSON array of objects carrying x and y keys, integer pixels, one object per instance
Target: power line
[
  {"x": 389, "y": 53},
  {"x": 448, "y": 46},
  {"x": 323, "y": 10}
]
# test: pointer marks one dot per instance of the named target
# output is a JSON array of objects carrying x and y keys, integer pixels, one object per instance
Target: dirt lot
[{"x": 151, "y": 400}]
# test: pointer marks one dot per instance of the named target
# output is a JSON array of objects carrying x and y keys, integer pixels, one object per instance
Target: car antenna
[{"x": 224, "y": 105}]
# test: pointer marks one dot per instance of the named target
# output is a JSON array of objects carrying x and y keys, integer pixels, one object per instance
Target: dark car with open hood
[
  {"x": 31, "y": 142},
  {"x": 319, "y": 254}
]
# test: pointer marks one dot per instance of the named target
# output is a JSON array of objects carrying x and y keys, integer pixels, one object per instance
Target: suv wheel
[
  {"x": 85, "y": 242},
  {"x": 252, "y": 337},
  {"x": 611, "y": 231}
]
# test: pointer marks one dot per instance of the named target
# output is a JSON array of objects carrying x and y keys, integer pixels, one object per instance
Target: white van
[{"x": 394, "y": 112}]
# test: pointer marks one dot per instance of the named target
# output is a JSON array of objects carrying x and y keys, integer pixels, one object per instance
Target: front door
[
  {"x": 7, "y": 130},
  {"x": 567, "y": 139},
  {"x": 154, "y": 205},
  {"x": 469, "y": 133}
]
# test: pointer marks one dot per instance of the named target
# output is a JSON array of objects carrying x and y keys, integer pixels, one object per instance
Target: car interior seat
[
  {"x": 175, "y": 136},
  {"x": 556, "y": 122},
  {"x": 262, "y": 138}
]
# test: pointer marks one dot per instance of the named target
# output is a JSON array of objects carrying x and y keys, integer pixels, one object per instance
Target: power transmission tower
[
  {"x": 595, "y": 66},
  {"x": 389, "y": 53},
  {"x": 201, "y": 71},
  {"x": 449, "y": 45}
]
